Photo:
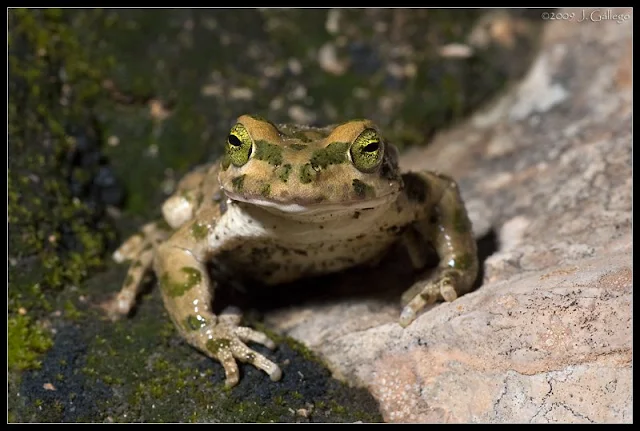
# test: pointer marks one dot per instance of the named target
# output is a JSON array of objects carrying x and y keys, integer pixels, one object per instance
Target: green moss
[
  {"x": 333, "y": 154},
  {"x": 56, "y": 238},
  {"x": 268, "y": 152},
  {"x": 26, "y": 342},
  {"x": 295, "y": 345},
  {"x": 71, "y": 312}
]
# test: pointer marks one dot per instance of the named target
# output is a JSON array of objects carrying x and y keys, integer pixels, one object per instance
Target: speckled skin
[{"x": 289, "y": 202}]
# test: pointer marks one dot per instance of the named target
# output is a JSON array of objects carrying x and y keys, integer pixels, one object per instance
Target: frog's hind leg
[{"x": 140, "y": 250}]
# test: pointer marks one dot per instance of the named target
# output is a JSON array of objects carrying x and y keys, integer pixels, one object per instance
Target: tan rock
[{"x": 547, "y": 337}]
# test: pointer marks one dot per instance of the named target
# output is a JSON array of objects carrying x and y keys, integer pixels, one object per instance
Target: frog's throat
[{"x": 313, "y": 208}]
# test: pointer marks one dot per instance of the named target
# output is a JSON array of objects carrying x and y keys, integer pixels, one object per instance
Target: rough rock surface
[{"x": 547, "y": 336}]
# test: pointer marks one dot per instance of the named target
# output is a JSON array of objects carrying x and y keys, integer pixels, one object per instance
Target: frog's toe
[
  {"x": 251, "y": 335},
  {"x": 245, "y": 354},
  {"x": 428, "y": 294},
  {"x": 448, "y": 290},
  {"x": 225, "y": 356},
  {"x": 226, "y": 343},
  {"x": 123, "y": 303},
  {"x": 441, "y": 287}
]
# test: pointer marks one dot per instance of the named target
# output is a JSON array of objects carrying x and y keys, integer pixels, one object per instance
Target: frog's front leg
[
  {"x": 187, "y": 292},
  {"x": 448, "y": 228}
]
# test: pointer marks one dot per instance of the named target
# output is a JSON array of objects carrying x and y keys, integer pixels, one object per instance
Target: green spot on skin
[
  {"x": 193, "y": 323},
  {"x": 462, "y": 262},
  {"x": 299, "y": 147},
  {"x": 307, "y": 174},
  {"x": 362, "y": 189},
  {"x": 174, "y": 289},
  {"x": 266, "y": 190},
  {"x": 185, "y": 194},
  {"x": 284, "y": 173},
  {"x": 238, "y": 183},
  {"x": 214, "y": 346},
  {"x": 193, "y": 276},
  {"x": 128, "y": 280},
  {"x": 268, "y": 152},
  {"x": 304, "y": 137},
  {"x": 333, "y": 154},
  {"x": 199, "y": 231},
  {"x": 136, "y": 264},
  {"x": 461, "y": 223}
]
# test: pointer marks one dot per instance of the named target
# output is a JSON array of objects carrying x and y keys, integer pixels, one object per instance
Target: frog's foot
[
  {"x": 417, "y": 297},
  {"x": 225, "y": 342},
  {"x": 139, "y": 249}
]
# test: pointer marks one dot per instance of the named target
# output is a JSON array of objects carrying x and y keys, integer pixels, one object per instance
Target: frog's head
[{"x": 298, "y": 169}]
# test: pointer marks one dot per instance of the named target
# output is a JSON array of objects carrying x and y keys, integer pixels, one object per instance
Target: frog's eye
[
  {"x": 367, "y": 150},
  {"x": 239, "y": 145}
]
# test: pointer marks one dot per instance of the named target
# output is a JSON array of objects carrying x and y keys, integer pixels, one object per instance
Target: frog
[{"x": 285, "y": 202}]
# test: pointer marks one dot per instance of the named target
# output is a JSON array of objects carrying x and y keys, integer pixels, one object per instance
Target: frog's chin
[{"x": 312, "y": 208}]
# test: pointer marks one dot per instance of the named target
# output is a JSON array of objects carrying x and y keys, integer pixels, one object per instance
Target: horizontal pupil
[
  {"x": 373, "y": 146},
  {"x": 233, "y": 140}
]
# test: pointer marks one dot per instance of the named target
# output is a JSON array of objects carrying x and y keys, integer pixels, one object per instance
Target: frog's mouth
[{"x": 302, "y": 207}]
